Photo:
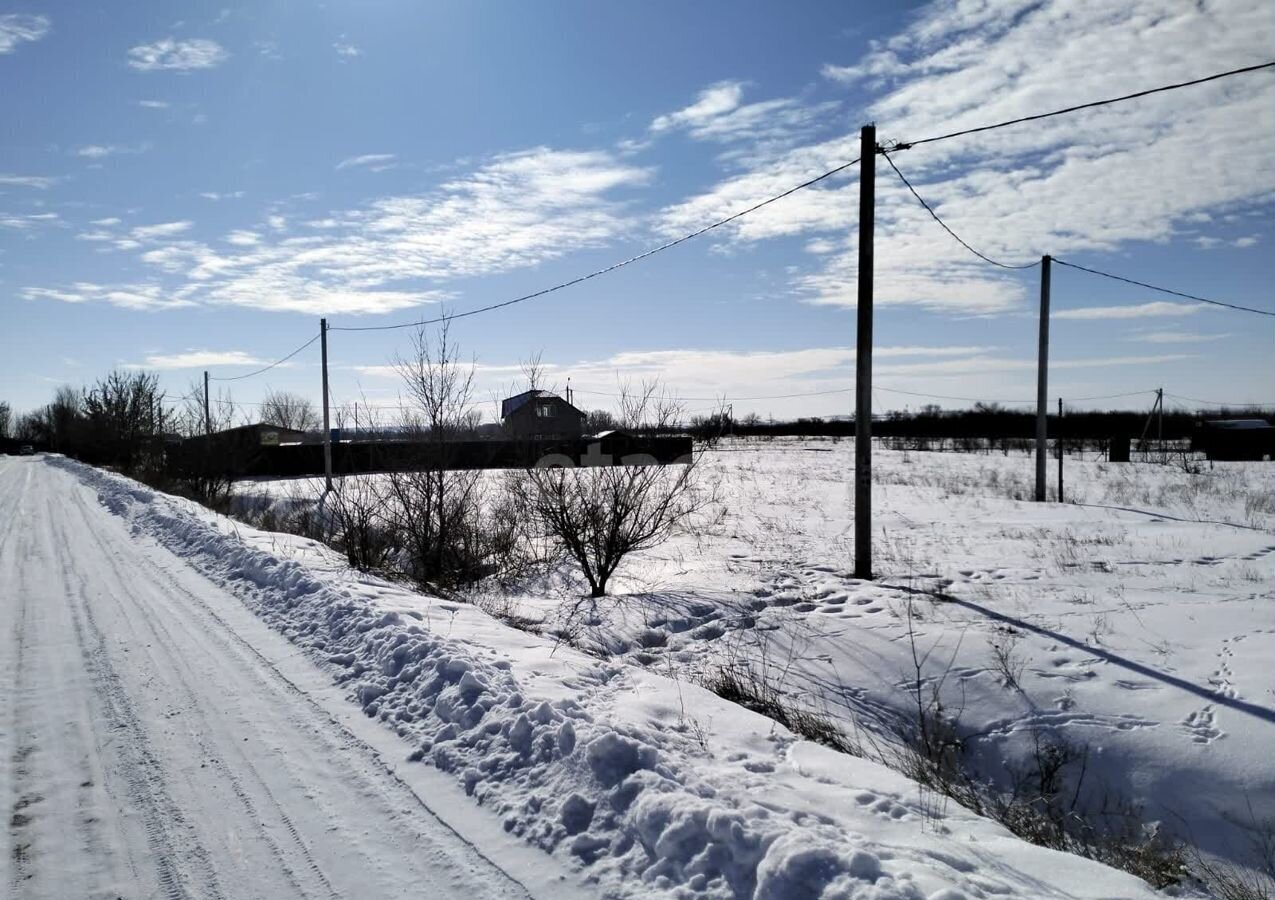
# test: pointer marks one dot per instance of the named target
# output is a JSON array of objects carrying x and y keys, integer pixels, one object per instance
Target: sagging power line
[
  {"x": 1164, "y": 290},
  {"x": 944, "y": 225},
  {"x": 908, "y": 145},
  {"x": 608, "y": 269}
]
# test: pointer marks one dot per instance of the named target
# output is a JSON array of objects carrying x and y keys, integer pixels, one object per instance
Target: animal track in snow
[{"x": 1200, "y": 725}]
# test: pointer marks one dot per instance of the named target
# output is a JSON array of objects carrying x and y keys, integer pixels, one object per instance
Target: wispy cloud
[
  {"x": 174, "y": 55},
  {"x": 375, "y": 161},
  {"x": 714, "y": 101},
  {"x": 221, "y": 195},
  {"x": 1174, "y": 337},
  {"x": 100, "y": 151},
  {"x": 345, "y": 49},
  {"x": 516, "y": 211},
  {"x": 24, "y": 222},
  {"x": 20, "y": 28},
  {"x": 161, "y": 230},
  {"x": 1132, "y": 311},
  {"x": 131, "y": 296},
  {"x": 41, "y": 182},
  {"x": 1054, "y": 186},
  {"x": 153, "y": 104},
  {"x": 199, "y": 359}
]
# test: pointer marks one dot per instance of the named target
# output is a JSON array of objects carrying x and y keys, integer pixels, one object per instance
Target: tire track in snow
[
  {"x": 169, "y": 834},
  {"x": 160, "y": 636},
  {"x": 357, "y": 807}
]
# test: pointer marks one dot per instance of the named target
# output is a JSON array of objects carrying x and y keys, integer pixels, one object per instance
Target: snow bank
[{"x": 647, "y": 786}]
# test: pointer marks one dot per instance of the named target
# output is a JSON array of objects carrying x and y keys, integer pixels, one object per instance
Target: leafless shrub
[
  {"x": 288, "y": 410},
  {"x": 1006, "y": 661},
  {"x": 598, "y": 516}
]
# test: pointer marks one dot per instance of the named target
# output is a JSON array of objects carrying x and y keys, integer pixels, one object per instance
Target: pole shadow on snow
[{"x": 1252, "y": 709}]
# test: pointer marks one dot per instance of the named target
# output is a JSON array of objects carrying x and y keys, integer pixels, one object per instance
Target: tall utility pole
[
  {"x": 207, "y": 415},
  {"x": 1042, "y": 380},
  {"x": 1159, "y": 422},
  {"x": 327, "y": 428},
  {"x": 863, "y": 359},
  {"x": 1061, "y": 448}
]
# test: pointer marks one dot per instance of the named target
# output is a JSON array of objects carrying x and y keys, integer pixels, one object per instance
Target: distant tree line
[{"x": 982, "y": 421}]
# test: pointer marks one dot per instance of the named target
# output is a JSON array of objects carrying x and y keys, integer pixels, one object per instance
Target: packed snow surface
[{"x": 187, "y": 764}]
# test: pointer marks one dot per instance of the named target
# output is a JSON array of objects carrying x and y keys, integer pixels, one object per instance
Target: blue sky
[{"x": 193, "y": 187}]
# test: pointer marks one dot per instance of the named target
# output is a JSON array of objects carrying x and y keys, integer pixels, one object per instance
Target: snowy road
[{"x": 152, "y": 746}]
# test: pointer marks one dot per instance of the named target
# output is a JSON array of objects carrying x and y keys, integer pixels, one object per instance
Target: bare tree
[
  {"x": 6, "y": 419},
  {"x": 120, "y": 410},
  {"x": 533, "y": 371},
  {"x": 288, "y": 410},
  {"x": 437, "y": 508},
  {"x": 599, "y": 420},
  {"x": 601, "y": 514},
  {"x": 650, "y": 407},
  {"x": 598, "y": 516}
]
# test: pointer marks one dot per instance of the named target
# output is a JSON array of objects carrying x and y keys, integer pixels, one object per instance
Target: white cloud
[
  {"x": 23, "y": 222},
  {"x": 1247, "y": 241},
  {"x": 712, "y": 102},
  {"x": 160, "y": 230},
  {"x": 153, "y": 104},
  {"x": 19, "y": 28},
  {"x": 516, "y": 211},
  {"x": 41, "y": 182},
  {"x": 199, "y": 359},
  {"x": 346, "y": 50},
  {"x": 1174, "y": 337},
  {"x": 375, "y": 161},
  {"x": 100, "y": 151},
  {"x": 130, "y": 296},
  {"x": 175, "y": 55},
  {"x": 1132, "y": 311},
  {"x": 1088, "y": 182}
]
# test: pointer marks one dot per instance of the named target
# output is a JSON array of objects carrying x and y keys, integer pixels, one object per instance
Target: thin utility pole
[
  {"x": 1061, "y": 450},
  {"x": 1042, "y": 380},
  {"x": 863, "y": 359},
  {"x": 327, "y": 429},
  {"x": 1159, "y": 423},
  {"x": 207, "y": 415}
]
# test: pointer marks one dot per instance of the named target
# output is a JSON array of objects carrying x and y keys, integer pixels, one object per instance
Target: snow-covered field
[
  {"x": 140, "y": 618},
  {"x": 1133, "y": 625}
]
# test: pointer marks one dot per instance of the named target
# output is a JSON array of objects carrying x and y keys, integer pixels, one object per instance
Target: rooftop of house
[{"x": 512, "y": 404}]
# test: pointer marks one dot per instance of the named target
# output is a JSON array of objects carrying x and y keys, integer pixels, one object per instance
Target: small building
[
  {"x": 540, "y": 415},
  {"x": 1235, "y": 439}
]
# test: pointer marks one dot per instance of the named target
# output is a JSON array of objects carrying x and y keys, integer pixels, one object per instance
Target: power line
[
  {"x": 1214, "y": 402},
  {"x": 1143, "y": 284},
  {"x": 1108, "y": 396},
  {"x": 1071, "y": 109},
  {"x": 955, "y": 236},
  {"x": 946, "y": 396},
  {"x": 611, "y": 268},
  {"x": 278, "y": 362},
  {"x": 726, "y": 397}
]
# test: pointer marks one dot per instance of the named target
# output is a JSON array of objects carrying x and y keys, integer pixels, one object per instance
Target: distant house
[
  {"x": 540, "y": 415},
  {"x": 249, "y": 437},
  {"x": 1235, "y": 439}
]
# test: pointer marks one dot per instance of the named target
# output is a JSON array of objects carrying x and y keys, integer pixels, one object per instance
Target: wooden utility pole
[
  {"x": 863, "y": 359},
  {"x": 1042, "y": 381},
  {"x": 1061, "y": 449},
  {"x": 1159, "y": 423},
  {"x": 207, "y": 415},
  {"x": 327, "y": 428}
]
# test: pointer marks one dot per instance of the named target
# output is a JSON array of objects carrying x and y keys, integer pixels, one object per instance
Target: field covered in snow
[{"x": 1126, "y": 636}]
